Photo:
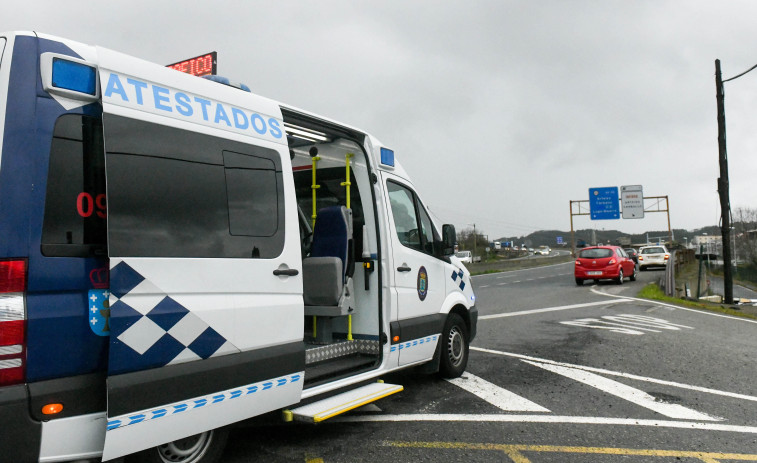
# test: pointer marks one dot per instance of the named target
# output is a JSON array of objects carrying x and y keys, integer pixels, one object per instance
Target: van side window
[
  {"x": 74, "y": 224},
  {"x": 178, "y": 193},
  {"x": 413, "y": 225}
]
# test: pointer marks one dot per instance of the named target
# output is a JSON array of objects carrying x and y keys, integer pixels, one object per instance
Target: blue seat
[{"x": 332, "y": 237}]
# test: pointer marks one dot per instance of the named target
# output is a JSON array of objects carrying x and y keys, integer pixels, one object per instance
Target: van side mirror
[{"x": 449, "y": 238}]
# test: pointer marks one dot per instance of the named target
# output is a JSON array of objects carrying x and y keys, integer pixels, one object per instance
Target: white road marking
[
  {"x": 703, "y": 312},
  {"x": 550, "y": 419},
  {"x": 628, "y": 393},
  {"x": 495, "y": 395},
  {"x": 622, "y": 375},
  {"x": 627, "y": 324},
  {"x": 522, "y": 270},
  {"x": 598, "y": 324},
  {"x": 552, "y": 309}
]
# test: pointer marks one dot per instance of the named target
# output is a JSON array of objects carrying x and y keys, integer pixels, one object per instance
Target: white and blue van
[{"x": 177, "y": 255}]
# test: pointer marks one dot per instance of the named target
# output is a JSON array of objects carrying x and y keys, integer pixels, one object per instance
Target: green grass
[
  {"x": 486, "y": 272},
  {"x": 654, "y": 292}
]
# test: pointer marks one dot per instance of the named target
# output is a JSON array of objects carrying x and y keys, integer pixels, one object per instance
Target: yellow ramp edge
[{"x": 344, "y": 402}]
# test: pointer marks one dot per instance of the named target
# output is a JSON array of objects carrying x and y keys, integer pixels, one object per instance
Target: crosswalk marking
[
  {"x": 495, "y": 395},
  {"x": 628, "y": 393},
  {"x": 620, "y": 374}
]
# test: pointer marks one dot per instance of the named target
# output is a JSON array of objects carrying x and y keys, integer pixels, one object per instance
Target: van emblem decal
[
  {"x": 422, "y": 283},
  {"x": 99, "y": 278},
  {"x": 99, "y": 311}
]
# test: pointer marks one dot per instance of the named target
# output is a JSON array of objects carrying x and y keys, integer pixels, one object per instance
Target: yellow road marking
[
  {"x": 515, "y": 452},
  {"x": 309, "y": 459}
]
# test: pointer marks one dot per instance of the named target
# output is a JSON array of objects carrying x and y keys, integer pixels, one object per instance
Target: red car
[{"x": 604, "y": 263}]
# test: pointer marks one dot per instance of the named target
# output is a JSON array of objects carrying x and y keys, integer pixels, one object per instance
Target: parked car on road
[
  {"x": 632, "y": 253},
  {"x": 604, "y": 263},
  {"x": 653, "y": 256}
]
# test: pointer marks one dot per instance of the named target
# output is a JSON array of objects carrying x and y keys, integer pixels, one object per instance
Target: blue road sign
[
  {"x": 604, "y": 203},
  {"x": 559, "y": 240}
]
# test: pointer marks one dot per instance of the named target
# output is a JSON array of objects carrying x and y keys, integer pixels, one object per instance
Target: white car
[
  {"x": 543, "y": 250},
  {"x": 465, "y": 257},
  {"x": 653, "y": 256}
]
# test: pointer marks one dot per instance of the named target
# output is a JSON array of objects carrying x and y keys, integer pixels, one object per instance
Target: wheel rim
[
  {"x": 455, "y": 346},
  {"x": 187, "y": 450},
  {"x": 620, "y": 277}
]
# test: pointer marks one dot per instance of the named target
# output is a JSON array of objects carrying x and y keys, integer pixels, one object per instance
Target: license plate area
[{"x": 594, "y": 273}]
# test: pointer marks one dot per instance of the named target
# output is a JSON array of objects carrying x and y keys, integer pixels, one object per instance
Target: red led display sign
[{"x": 203, "y": 65}]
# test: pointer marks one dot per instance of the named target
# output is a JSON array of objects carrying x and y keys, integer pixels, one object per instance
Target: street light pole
[
  {"x": 723, "y": 188},
  {"x": 475, "y": 244}
]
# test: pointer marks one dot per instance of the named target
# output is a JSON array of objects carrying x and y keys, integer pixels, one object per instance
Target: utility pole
[{"x": 723, "y": 188}]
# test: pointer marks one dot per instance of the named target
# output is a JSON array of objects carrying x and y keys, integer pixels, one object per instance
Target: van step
[
  {"x": 318, "y": 353},
  {"x": 344, "y": 402}
]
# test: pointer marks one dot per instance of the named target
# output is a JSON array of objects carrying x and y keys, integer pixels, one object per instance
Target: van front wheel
[
  {"x": 206, "y": 447},
  {"x": 454, "y": 348}
]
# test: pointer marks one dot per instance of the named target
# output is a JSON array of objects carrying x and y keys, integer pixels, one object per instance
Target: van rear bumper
[{"x": 17, "y": 426}]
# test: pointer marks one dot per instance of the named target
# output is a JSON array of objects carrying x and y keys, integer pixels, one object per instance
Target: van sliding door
[{"x": 206, "y": 311}]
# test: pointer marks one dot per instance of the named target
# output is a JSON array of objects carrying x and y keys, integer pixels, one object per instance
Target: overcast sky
[{"x": 501, "y": 111}]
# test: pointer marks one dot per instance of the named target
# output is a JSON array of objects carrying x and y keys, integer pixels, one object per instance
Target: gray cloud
[{"x": 502, "y": 111}]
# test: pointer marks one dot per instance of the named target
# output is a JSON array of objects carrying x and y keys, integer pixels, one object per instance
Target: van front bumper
[
  {"x": 21, "y": 434},
  {"x": 473, "y": 314}
]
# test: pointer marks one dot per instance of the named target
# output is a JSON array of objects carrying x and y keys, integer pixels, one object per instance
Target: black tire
[
  {"x": 579, "y": 282},
  {"x": 620, "y": 277},
  {"x": 635, "y": 272},
  {"x": 206, "y": 447},
  {"x": 454, "y": 347}
]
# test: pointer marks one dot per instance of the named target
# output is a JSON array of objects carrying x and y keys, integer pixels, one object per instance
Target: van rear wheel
[
  {"x": 206, "y": 447},
  {"x": 454, "y": 348}
]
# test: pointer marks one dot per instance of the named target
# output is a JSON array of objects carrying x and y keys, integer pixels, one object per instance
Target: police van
[{"x": 178, "y": 255}]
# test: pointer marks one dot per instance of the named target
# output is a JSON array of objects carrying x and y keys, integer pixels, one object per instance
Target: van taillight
[{"x": 12, "y": 321}]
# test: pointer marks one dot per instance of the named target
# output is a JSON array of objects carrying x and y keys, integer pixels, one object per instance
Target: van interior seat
[
  {"x": 332, "y": 237},
  {"x": 326, "y": 274}
]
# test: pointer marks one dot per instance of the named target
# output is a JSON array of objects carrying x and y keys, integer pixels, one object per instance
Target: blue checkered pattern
[
  {"x": 149, "y": 329},
  {"x": 413, "y": 343},
  {"x": 456, "y": 275},
  {"x": 204, "y": 401}
]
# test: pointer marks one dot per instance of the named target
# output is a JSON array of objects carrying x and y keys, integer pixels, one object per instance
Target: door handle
[
  {"x": 290, "y": 272},
  {"x": 403, "y": 268}
]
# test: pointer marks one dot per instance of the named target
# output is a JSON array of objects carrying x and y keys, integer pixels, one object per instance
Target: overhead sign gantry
[{"x": 604, "y": 204}]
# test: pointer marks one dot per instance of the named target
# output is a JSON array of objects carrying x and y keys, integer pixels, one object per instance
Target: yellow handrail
[
  {"x": 314, "y": 186},
  {"x": 346, "y": 184}
]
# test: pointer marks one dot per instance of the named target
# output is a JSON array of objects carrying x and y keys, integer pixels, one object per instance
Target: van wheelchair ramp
[{"x": 341, "y": 403}]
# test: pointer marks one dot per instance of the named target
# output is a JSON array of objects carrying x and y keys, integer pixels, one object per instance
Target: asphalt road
[{"x": 557, "y": 373}]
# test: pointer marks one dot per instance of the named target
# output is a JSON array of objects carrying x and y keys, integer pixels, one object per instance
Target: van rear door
[{"x": 205, "y": 299}]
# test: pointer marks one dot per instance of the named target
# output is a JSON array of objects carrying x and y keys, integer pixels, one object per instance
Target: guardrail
[
  {"x": 678, "y": 259},
  {"x": 668, "y": 280}
]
